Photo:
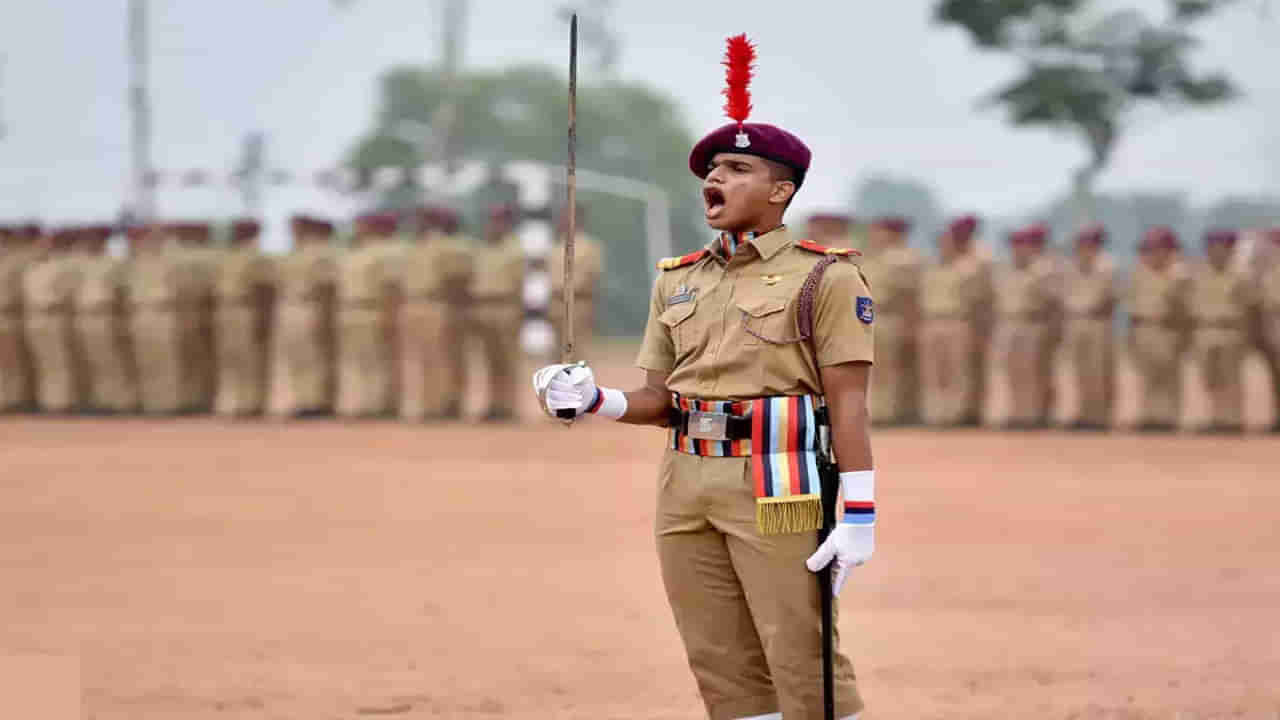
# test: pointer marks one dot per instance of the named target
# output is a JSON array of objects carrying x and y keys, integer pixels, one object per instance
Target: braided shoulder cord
[{"x": 804, "y": 306}]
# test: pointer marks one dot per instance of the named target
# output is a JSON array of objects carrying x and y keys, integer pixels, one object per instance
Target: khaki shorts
[{"x": 746, "y": 606}]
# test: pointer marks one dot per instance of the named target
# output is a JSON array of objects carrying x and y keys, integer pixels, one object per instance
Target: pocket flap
[
  {"x": 677, "y": 314},
  {"x": 760, "y": 307}
]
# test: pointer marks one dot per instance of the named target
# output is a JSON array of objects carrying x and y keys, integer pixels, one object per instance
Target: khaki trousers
[
  {"x": 112, "y": 374},
  {"x": 1157, "y": 357},
  {"x": 497, "y": 325},
  {"x": 746, "y": 606},
  {"x": 1270, "y": 347},
  {"x": 17, "y": 389},
  {"x": 1219, "y": 357},
  {"x": 1023, "y": 346},
  {"x": 242, "y": 361},
  {"x": 157, "y": 339},
  {"x": 308, "y": 356},
  {"x": 57, "y": 360},
  {"x": 454, "y": 334},
  {"x": 895, "y": 384},
  {"x": 364, "y": 363},
  {"x": 425, "y": 359},
  {"x": 198, "y": 378},
  {"x": 946, "y": 369},
  {"x": 1090, "y": 348}
]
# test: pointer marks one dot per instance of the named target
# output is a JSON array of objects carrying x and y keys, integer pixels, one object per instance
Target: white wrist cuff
[
  {"x": 859, "y": 485},
  {"x": 613, "y": 403}
]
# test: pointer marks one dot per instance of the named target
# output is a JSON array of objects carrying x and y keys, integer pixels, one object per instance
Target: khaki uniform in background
[
  {"x": 431, "y": 327},
  {"x": 50, "y": 288},
  {"x": 366, "y": 358},
  {"x": 588, "y": 266},
  {"x": 198, "y": 271},
  {"x": 103, "y": 325},
  {"x": 1050, "y": 271},
  {"x": 1220, "y": 305},
  {"x": 951, "y": 295},
  {"x": 1024, "y": 336},
  {"x": 1089, "y": 301},
  {"x": 496, "y": 313},
  {"x": 155, "y": 283},
  {"x": 1269, "y": 298},
  {"x": 244, "y": 288},
  {"x": 306, "y": 339},
  {"x": 17, "y": 383},
  {"x": 894, "y": 274},
  {"x": 1157, "y": 339}
]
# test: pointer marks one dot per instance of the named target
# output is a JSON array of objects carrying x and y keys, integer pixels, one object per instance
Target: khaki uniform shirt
[
  {"x": 1024, "y": 293},
  {"x": 103, "y": 282},
  {"x": 895, "y": 274},
  {"x": 955, "y": 289},
  {"x": 1220, "y": 299},
  {"x": 240, "y": 271},
  {"x": 1090, "y": 293},
  {"x": 1269, "y": 289},
  {"x": 1158, "y": 297},
  {"x": 438, "y": 268},
  {"x": 587, "y": 266},
  {"x": 52, "y": 283},
  {"x": 365, "y": 272},
  {"x": 699, "y": 314},
  {"x": 155, "y": 279},
  {"x": 305, "y": 273},
  {"x": 13, "y": 265},
  {"x": 499, "y": 272}
]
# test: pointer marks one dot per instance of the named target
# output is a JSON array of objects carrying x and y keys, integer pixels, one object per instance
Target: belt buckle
[{"x": 705, "y": 425}]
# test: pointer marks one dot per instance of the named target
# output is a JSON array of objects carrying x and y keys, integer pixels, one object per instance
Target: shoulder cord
[{"x": 804, "y": 306}]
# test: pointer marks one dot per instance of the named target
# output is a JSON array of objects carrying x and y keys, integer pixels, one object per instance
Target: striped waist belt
[{"x": 783, "y": 435}]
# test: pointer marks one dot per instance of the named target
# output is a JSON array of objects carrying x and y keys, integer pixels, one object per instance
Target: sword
[{"x": 571, "y": 182}]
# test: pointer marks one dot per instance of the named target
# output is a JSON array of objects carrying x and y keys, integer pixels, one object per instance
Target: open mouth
[{"x": 713, "y": 198}]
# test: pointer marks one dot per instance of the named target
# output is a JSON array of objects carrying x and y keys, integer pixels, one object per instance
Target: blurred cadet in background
[
  {"x": 366, "y": 319},
  {"x": 1089, "y": 300},
  {"x": 191, "y": 246},
  {"x": 1158, "y": 329},
  {"x": 102, "y": 323},
  {"x": 305, "y": 368},
  {"x": 50, "y": 286},
  {"x": 893, "y": 270},
  {"x": 1025, "y": 300},
  {"x": 1222, "y": 302},
  {"x": 833, "y": 229},
  {"x": 952, "y": 292},
  {"x": 245, "y": 294},
  {"x": 1268, "y": 270},
  {"x": 155, "y": 280},
  {"x": 17, "y": 253},
  {"x": 588, "y": 266},
  {"x": 496, "y": 312}
]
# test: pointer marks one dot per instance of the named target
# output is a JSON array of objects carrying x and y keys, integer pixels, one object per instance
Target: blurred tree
[{"x": 1086, "y": 74}]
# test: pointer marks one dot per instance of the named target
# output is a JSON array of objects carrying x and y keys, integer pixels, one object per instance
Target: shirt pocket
[
  {"x": 676, "y": 320},
  {"x": 766, "y": 320}
]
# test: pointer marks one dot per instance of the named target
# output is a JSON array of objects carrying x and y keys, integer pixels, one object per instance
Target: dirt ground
[{"x": 320, "y": 570}]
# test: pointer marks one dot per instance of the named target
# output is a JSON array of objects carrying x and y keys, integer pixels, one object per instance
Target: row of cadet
[
  {"x": 185, "y": 324},
  {"x": 943, "y": 325}
]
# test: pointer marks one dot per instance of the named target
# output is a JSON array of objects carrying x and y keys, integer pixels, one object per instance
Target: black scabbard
[{"x": 829, "y": 476}]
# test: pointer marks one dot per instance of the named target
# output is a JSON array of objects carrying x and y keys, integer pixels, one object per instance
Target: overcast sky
[{"x": 871, "y": 86}]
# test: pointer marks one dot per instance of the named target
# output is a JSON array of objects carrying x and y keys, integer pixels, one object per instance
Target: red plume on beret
[{"x": 739, "y": 59}]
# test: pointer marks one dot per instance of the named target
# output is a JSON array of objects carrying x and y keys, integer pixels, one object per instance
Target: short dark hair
[{"x": 781, "y": 172}]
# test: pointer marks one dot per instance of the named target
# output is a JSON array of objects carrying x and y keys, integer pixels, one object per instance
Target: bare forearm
[
  {"x": 850, "y": 435},
  {"x": 646, "y": 406}
]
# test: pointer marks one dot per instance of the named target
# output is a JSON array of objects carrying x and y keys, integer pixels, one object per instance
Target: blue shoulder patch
[{"x": 866, "y": 310}]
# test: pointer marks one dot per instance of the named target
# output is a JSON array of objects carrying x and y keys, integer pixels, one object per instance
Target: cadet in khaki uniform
[
  {"x": 155, "y": 281},
  {"x": 588, "y": 265},
  {"x": 197, "y": 258},
  {"x": 50, "y": 287},
  {"x": 366, "y": 355},
  {"x": 894, "y": 270},
  {"x": 437, "y": 263},
  {"x": 1269, "y": 316},
  {"x": 731, "y": 331},
  {"x": 306, "y": 363},
  {"x": 1158, "y": 330},
  {"x": 17, "y": 382},
  {"x": 953, "y": 291},
  {"x": 102, "y": 324},
  {"x": 496, "y": 313},
  {"x": 245, "y": 293},
  {"x": 1025, "y": 307},
  {"x": 1222, "y": 302},
  {"x": 831, "y": 229},
  {"x": 1089, "y": 301}
]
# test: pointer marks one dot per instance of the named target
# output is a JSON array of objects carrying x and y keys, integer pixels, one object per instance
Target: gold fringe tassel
[{"x": 782, "y": 515}]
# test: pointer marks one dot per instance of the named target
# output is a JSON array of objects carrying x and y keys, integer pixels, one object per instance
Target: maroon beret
[
  {"x": 382, "y": 224},
  {"x": 963, "y": 227},
  {"x": 502, "y": 211},
  {"x": 893, "y": 223},
  {"x": 98, "y": 233},
  {"x": 1091, "y": 234},
  {"x": 1220, "y": 236},
  {"x": 138, "y": 232},
  {"x": 245, "y": 228},
  {"x": 1032, "y": 235},
  {"x": 766, "y": 141},
  {"x": 29, "y": 231},
  {"x": 1159, "y": 237},
  {"x": 1274, "y": 235},
  {"x": 833, "y": 217}
]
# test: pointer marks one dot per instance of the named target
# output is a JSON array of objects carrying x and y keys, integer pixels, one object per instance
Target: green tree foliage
[
  {"x": 521, "y": 113},
  {"x": 1085, "y": 74}
]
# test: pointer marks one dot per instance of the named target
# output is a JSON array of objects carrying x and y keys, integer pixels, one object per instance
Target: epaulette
[
  {"x": 824, "y": 250},
  {"x": 671, "y": 263}
]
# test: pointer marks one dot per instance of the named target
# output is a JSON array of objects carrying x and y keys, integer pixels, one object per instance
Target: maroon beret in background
[
  {"x": 963, "y": 227},
  {"x": 1274, "y": 235},
  {"x": 1031, "y": 235},
  {"x": 766, "y": 141},
  {"x": 1092, "y": 234},
  {"x": 375, "y": 223},
  {"x": 245, "y": 228},
  {"x": 832, "y": 217},
  {"x": 502, "y": 211},
  {"x": 1160, "y": 237},
  {"x": 893, "y": 223},
  {"x": 1221, "y": 236}
]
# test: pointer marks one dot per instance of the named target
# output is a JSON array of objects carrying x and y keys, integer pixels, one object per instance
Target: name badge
[{"x": 682, "y": 295}]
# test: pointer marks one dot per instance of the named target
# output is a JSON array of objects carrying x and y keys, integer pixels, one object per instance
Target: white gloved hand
[
  {"x": 562, "y": 386},
  {"x": 847, "y": 547}
]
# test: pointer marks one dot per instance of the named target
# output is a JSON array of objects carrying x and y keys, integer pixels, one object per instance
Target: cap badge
[{"x": 741, "y": 140}]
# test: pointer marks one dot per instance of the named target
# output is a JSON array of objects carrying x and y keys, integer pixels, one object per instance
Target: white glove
[
  {"x": 565, "y": 386},
  {"x": 848, "y": 547}
]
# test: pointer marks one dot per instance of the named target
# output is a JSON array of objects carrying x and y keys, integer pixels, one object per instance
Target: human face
[
  {"x": 1219, "y": 254},
  {"x": 740, "y": 194}
]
